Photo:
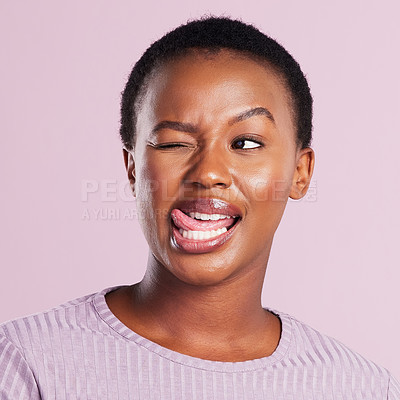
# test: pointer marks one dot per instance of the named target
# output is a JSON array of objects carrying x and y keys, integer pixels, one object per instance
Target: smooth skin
[{"x": 209, "y": 305}]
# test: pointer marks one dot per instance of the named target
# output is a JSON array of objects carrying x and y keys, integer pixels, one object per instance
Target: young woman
[{"x": 216, "y": 127}]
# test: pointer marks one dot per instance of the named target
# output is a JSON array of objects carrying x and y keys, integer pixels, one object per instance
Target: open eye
[{"x": 245, "y": 143}]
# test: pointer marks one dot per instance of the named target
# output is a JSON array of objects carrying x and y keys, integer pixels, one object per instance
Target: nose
[{"x": 210, "y": 168}]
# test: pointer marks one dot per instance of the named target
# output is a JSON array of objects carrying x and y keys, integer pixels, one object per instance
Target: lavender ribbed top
[{"x": 80, "y": 350}]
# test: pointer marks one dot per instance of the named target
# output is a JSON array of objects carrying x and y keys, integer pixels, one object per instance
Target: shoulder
[
  {"x": 43, "y": 352},
  {"x": 394, "y": 389},
  {"x": 22, "y": 345},
  {"x": 329, "y": 351},
  {"x": 35, "y": 333},
  {"x": 29, "y": 344},
  {"x": 23, "y": 331},
  {"x": 324, "y": 357}
]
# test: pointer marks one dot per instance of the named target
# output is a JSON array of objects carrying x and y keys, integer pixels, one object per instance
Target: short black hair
[{"x": 214, "y": 34}]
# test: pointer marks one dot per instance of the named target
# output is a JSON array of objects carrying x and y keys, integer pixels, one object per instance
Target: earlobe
[
  {"x": 130, "y": 168},
  {"x": 303, "y": 173}
]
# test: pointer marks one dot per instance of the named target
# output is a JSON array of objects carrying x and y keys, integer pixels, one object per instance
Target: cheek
[
  {"x": 269, "y": 188},
  {"x": 146, "y": 187},
  {"x": 159, "y": 183},
  {"x": 267, "y": 201},
  {"x": 155, "y": 190},
  {"x": 270, "y": 182}
]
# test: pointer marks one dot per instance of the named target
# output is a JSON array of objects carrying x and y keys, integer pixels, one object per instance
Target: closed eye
[{"x": 171, "y": 145}]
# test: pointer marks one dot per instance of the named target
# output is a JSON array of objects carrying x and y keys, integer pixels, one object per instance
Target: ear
[
  {"x": 303, "y": 173},
  {"x": 130, "y": 168}
]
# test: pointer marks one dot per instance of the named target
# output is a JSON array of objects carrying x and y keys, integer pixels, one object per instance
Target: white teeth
[
  {"x": 207, "y": 217},
  {"x": 202, "y": 235}
]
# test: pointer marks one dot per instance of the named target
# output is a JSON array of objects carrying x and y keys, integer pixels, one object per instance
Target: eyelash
[
  {"x": 168, "y": 146},
  {"x": 251, "y": 139},
  {"x": 241, "y": 138}
]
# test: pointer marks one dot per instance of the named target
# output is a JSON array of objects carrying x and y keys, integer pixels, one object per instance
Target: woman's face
[{"x": 220, "y": 129}]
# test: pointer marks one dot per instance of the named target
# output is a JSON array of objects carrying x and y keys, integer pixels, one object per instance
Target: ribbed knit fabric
[{"x": 80, "y": 350}]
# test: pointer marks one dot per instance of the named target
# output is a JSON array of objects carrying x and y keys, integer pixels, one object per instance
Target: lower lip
[{"x": 201, "y": 246}]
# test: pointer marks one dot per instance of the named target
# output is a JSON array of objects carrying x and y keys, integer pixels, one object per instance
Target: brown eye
[{"x": 244, "y": 144}]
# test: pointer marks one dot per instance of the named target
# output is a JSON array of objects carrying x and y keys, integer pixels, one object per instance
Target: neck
[
  {"x": 232, "y": 308},
  {"x": 222, "y": 322}
]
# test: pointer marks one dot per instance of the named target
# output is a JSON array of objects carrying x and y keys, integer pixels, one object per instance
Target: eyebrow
[
  {"x": 251, "y": 113},
  {"x": 190, "y": 128},
  {"x": 176, "y": 126}
]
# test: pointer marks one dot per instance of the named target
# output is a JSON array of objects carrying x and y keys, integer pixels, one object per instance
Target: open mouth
[
  {"x": 201, "y": 226},
  {"x": 195, "y": 232}
]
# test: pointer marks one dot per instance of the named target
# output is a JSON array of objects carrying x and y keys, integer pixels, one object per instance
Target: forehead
[{"x": 210, "y": 85}]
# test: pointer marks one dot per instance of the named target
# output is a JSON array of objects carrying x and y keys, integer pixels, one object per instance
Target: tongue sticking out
[{"x": 187, "y": 223}]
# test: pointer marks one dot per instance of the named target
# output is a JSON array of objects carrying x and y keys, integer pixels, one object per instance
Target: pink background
[{"x": 334, "y": 263}]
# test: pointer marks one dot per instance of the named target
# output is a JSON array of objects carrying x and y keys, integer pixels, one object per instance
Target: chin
[{"x": 197, "y": 274}]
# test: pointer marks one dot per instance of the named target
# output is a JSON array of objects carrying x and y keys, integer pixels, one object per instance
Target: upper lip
[{"x": 209, "y": 206}]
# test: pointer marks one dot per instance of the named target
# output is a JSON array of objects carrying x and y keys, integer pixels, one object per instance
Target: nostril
[
  {"x": 205, "y": 185},
  {"x": 209, "y": 173}
]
